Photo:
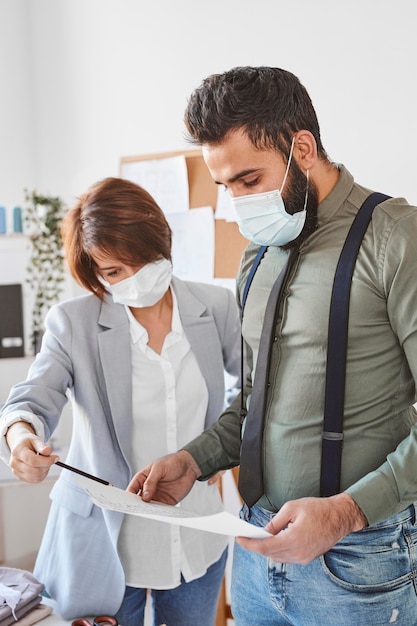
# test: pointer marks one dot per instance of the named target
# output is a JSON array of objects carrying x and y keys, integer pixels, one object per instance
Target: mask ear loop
[
  {"x": 288, "y": 164},
  {"x": 306, "y": 196}
]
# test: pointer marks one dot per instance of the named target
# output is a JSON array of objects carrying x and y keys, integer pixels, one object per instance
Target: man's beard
[{"x": 294, "y": 200}]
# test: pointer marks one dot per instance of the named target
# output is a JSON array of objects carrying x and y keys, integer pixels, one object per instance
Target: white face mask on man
[
  {"x": 262, "y": 217},
  {"x": 145, "y": 288}
]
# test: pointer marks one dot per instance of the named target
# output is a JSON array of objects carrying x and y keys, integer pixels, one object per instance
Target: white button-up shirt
[{"x": 169, "y": 406}]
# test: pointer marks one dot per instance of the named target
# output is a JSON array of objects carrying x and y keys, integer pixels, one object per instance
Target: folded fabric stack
[{"x": 20, "y": 595}]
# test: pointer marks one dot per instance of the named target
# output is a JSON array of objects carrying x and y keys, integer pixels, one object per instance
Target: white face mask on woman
[
  {"x": 262, "y": 217},
  {"x": 145, "y": 288}
]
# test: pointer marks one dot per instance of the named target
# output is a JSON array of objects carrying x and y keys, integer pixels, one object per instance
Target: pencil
[{"x": 78, "y": 471}]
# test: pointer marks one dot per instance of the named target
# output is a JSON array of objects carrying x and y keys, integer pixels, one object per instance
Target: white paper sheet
[
  {"x": 193, "y": 244},
  {"x": 165, "y": 179},
  {"x": 115, "y": 499},
  {"x": 224, "y": 206}
]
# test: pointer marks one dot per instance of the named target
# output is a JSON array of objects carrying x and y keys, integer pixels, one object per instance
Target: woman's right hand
[
  {"x": 30, "y": 456},
  {"x": 167, "y": 480}
]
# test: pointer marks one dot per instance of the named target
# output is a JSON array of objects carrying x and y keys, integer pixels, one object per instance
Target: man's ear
[{"x": 305, "y": 150}]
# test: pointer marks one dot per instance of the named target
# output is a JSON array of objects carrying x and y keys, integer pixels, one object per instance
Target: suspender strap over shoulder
[
  {"x": 332, "y": 437},
  {"x": 253, "y": 269},
  {"x": 248, "y": 283}
]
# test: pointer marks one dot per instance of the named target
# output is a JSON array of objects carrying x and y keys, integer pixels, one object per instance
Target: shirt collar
[
  {"x": 138, "y": 333},
  {"x": 338, "y": 195}
]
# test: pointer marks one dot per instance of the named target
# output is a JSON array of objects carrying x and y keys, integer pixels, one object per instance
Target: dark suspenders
[
  {"x": 332, "y": 437},
  {"x": 253, "y": 269},
  {"x": 334, "y": 402}
]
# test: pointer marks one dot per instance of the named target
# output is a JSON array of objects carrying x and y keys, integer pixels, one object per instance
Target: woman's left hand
[{"x": 214, "y": 479}]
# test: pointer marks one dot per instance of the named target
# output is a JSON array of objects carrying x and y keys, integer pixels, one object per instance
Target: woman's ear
[{"x": 305, "y": 150}]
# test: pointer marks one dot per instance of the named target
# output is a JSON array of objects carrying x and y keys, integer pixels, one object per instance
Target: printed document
[{"x": 115, "y": 499}]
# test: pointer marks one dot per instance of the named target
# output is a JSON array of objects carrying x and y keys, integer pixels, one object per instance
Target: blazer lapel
[
  {"x": 115, "y": 355},
  {"x": 202, "y": 335}
]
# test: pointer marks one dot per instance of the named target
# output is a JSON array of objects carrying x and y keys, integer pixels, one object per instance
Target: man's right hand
[{"x": 167, "y": 480}]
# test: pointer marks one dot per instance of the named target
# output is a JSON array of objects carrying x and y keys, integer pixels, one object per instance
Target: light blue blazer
[{"x": 86, "y": 355}]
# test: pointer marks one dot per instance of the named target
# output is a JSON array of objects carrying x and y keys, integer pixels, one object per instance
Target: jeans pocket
[{"x": 373, "y": 560}]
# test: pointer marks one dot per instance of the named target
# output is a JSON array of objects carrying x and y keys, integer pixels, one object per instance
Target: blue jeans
[
  {"x": 368, "y": 579},
  {"x": 190, "y": 604}
]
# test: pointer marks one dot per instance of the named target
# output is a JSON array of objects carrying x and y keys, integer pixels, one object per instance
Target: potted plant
[{"x": 46, "y": 270}]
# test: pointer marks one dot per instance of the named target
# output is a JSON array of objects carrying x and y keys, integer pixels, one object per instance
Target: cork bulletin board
[{"x": 229, "y": 243}]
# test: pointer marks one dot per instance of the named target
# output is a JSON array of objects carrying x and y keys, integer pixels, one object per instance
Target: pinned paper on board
[
  {"x": 193, "y": 244},
  {"x": 224, "y": 207},
  {"x": 115, "y": 499},
  {"x": 165, "y": 179}
]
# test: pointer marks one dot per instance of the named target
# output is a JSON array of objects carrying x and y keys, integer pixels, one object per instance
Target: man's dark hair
[{"x": 268, "y": 103}]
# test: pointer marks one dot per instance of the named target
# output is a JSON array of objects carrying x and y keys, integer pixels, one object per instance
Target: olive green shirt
[{"x": 379, "y": 459}]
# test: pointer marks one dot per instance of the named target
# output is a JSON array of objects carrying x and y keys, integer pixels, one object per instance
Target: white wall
[
  {"x": 17, "y": 120},
  {"x": 87, "y": 81}
]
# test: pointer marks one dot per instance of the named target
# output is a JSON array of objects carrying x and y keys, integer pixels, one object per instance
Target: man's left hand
[{"x": 307, "y": 528}]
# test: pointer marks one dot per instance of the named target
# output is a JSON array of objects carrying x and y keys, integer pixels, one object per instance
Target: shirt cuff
[
  {"x": 11, "y": 418},
  {"x": 376, "y": 509}
]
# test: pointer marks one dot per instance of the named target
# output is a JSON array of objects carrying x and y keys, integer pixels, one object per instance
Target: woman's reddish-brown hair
[{"x": 117, "y": 218}]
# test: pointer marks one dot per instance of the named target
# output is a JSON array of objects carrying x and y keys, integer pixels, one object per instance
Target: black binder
[{"x": 11, "y": 321}]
